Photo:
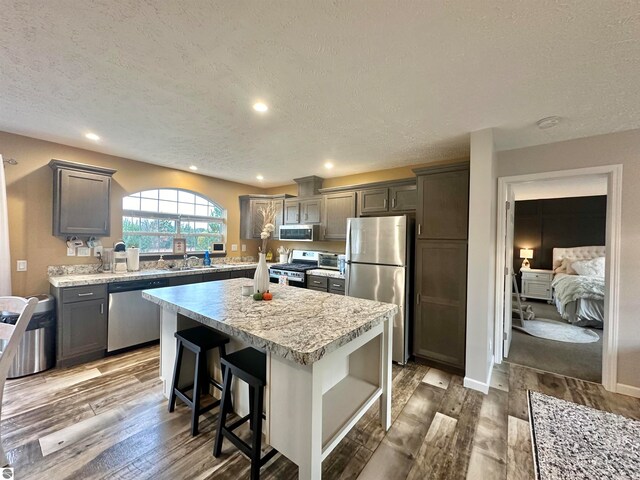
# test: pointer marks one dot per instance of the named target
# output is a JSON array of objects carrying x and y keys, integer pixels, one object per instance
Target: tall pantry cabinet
[{"x": 442, "y": 219}]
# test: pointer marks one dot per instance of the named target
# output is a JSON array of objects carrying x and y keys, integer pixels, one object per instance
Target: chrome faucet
[{"x": 187, "y": 259}]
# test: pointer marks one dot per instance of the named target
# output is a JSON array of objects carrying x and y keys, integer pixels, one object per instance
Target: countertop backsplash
[{"x": 89, "y": 268}]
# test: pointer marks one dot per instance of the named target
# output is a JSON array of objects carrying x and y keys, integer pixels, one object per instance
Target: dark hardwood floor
[{"x": 108, "y": 419}]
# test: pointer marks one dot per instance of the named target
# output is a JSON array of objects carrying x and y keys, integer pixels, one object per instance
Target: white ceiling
[
  {"x": 584, "y": 186},
  {"x": 371, "y": 84}
]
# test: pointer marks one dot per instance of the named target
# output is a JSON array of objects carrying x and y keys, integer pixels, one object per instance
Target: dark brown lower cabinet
[{"x": 441, "y": 301}]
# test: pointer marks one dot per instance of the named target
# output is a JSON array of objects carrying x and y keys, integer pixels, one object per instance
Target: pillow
[
  {"x": 565, "y": 267},
  {"x": 593, "y": 267}
]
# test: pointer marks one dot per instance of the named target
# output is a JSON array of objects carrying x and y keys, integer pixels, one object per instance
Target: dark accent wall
[{"x": 559, "y": 222}]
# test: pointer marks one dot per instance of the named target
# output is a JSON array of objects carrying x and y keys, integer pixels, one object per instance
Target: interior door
[{"x": 508, "y": 262}]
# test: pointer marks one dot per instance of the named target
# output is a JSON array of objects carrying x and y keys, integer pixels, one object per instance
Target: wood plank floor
[{"x": 108, "y": 419}]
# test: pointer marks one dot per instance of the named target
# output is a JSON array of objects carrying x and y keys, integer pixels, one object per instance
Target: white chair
[{"x": 12, "y": 334}]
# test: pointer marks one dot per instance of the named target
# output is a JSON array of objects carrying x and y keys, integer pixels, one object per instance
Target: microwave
[
  {"x": 299, "y": 233},
  {"x": 328, "y": 261}
]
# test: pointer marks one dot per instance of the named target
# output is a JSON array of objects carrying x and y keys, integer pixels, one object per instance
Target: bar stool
[
  {"x": 198, "y": 340},
  {"x": 250, "y": 366}
]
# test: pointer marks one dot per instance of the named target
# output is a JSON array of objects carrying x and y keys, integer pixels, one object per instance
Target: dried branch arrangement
[{"x": 268, "y": 214}]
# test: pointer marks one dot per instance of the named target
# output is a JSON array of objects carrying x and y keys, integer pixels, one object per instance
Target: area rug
[
  {"x": 571, "y": 441},
  {"x": 560, "y": 332}
]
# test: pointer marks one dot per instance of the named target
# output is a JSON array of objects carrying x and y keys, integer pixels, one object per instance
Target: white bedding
[{"x": 580, "y": 298}]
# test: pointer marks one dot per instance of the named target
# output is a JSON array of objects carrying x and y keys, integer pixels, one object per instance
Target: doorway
[{"x": 535, "y": 283}]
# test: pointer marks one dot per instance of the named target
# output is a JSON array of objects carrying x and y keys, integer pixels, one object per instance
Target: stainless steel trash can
[{"x": 37, "y": 351}]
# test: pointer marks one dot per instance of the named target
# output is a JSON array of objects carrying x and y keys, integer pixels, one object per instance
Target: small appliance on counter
[
  {"x": 133, "y": 259},
  {"x": 296, "y": 271},
  {"x": 328, "y": 261},
  {"x": 119, "y": 257}
]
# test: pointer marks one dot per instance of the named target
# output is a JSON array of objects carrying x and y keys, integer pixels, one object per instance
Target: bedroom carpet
[
  {"x": 579, "y": 442},
  {"x": 554, "y": 330},
  {"x": 577, "y": 360}
]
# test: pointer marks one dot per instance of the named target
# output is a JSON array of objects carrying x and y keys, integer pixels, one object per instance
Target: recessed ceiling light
[
  {"x": 260, "y": 107},
  {"x": 328, "y": 165},
  {"x": 259, "y": 177},
  {"x": 92, "y": 136},
  {"x": 193, "y": 167},
  {"x": 548, "y": 122}
]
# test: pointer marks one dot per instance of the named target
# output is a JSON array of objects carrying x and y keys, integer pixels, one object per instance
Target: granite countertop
[
  {"x": 321, "y": 272},
  {"x": 298, "y": 324},
  {"x": 110, "y": 277}
]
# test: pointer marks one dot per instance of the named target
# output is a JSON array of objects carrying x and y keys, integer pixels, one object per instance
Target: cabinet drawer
[
  {"x": 317, "y": 289},
  {"x": 317, "y": 282},
  {"x": 79, "y": 294},
  {"x": 536, "y": 289},
  {"x": 541, "y": 277},
  {"x": 336, "y": 285}
]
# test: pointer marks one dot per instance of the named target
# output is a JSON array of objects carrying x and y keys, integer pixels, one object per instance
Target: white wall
[
  {"x": 481, "y": 263},
  {"x": 616, "y": 148}
]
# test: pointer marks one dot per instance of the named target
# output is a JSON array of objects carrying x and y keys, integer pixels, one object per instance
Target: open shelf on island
[{"x": 342, "y": 403}]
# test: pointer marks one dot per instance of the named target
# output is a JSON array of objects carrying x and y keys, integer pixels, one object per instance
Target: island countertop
[{"x": 298, "y": 324}]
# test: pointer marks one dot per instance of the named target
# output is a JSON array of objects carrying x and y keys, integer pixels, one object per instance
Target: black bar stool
[
  {"x": 248, "y": 365},
  {"x": 199, "y": 340}
]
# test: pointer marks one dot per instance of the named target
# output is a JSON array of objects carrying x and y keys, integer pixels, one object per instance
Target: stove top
[{"x": 294, "y": 267}]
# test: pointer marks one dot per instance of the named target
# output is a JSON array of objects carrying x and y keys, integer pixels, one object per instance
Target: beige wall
[
  {"x": 30, "y": 190},
  {"x": 617, "y": 148}
]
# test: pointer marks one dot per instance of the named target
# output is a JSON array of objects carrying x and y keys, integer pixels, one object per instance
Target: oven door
[{"x": 299, "y": 233}]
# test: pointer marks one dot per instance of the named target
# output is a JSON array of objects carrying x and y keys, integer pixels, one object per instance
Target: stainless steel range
[{"x": 296, "y": 271}]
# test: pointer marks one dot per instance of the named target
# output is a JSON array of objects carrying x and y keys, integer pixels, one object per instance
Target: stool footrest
[
  {"x": 245, "y": 448},
  {"x": 238, "y": 422}
]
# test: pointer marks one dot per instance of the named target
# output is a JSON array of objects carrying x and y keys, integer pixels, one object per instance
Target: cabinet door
[
  {"x": 311, "y": 211},
  {"x": 82, "y": 203},
  {"x": 84, "y": 327},
  {"x": 403, "y": 198},
  {"x": 291, "y": 212},
  {"x": 338, "y": 207},
  {"x": 256, "y": 217},
  {"x": 249, "y": 273},
  {"x": 185, "y": 280},
  {"x": 279, "y": 206},
  {"x": 375, "y": 200},
  {"x": 440, "y": 315},
  {"x": 215, "y": 276},
  {"x": 443, "y": 205}
]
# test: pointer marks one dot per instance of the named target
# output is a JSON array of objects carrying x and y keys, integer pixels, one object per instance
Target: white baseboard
[
  {"x": 479, "y": 386},
  {"x": 627, "y": 390}
]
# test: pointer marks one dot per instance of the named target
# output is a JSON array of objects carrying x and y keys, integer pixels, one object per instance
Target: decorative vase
[{"x": 261, "y": 277}]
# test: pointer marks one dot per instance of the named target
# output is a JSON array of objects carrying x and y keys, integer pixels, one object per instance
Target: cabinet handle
[
  {"x": 105, "y": 225},
  {"x": 85, "y": 294},
  {"x": 317, "y": 282},
  {"x": 418, "y": 299},
  {"x": 102, "y": 309},
  {"x": 306, "y": 216},
  {"x": 385, "y": 204},
  {"x": 337, "y": 285},
  {"x": 419, "y": 229},
  {"x": 393, "y": 202}
]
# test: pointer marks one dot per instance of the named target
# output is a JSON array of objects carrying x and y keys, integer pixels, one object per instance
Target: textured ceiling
[{"x": 371, "y": 84}]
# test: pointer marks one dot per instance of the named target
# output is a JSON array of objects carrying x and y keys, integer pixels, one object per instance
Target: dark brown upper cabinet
[
  {"x": 81, "y": 199},
  {"x": 338, "y": 207},
  {"x": 443, "y": 205},
  {"x": 250, "y": 218},
  {"x": 403, "y": 198},
  {"x": 303, "y": 211},
  {"x": 372, "y": 201}
]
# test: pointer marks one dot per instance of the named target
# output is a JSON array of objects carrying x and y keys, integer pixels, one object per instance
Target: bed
[{"x": 579, "y": 296}]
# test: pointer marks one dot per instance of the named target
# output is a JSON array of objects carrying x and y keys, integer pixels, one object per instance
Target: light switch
[
  {"x": 84, "y": 251},
  {"x": 71, "y": 251},
  {"x": 22, "y": 266},
  {"x": 234, "y": 247},
  {"x": 244, "y": 247}
]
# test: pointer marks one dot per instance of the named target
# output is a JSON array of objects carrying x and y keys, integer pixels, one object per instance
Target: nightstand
[{"x": 536, "y": 283}]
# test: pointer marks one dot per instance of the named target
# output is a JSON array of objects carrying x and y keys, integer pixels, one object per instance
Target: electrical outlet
[
  {"x": 98, "y": 251},
  {"x": 71, "y": 251},
  {"x": 234, "y": 247},
  {"x": 84, "y": 251},
  {"x": 22, "y": 266},
  {"x": 244, "y": 247}
]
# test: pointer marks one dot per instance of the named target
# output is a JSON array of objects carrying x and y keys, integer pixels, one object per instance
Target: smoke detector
[{"x": 548, "y": 122}]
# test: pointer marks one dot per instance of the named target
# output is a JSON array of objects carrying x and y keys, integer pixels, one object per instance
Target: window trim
[{"x": 222, "y": 220}]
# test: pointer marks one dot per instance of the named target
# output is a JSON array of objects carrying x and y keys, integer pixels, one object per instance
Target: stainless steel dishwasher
[{"x": 132, "y": 319}]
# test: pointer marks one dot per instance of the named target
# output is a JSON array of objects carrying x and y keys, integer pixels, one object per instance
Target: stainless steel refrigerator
[{"x": 378, "y": 268}]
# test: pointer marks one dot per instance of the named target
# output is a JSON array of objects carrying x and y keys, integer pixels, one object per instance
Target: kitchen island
[{"x": 328, "y": 358}]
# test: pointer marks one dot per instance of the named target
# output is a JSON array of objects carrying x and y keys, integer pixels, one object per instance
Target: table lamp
[{"x": 526, "y": 253}]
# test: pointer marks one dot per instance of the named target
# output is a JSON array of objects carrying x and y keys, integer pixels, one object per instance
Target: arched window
[{"x": 153, "y": 218}]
